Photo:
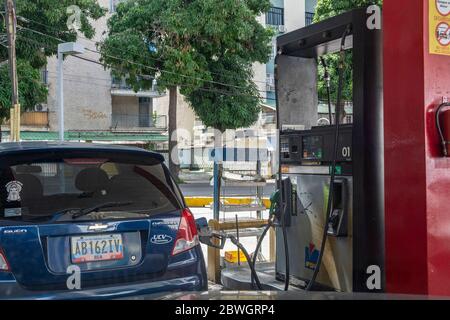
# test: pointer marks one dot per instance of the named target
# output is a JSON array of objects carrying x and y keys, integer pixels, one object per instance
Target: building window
[
  {"x": 275, "y": 16},
  {"x": 309, "y": 17},
  {"x": 113, "y": 5},
  {"x": 349, "y": 119},
  {"x": 44, "y": 75},
  {"x": 145, "y": 112},
  {"x": 270, "y": 82}
]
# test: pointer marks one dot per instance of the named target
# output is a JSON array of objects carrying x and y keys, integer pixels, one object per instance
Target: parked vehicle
[{"x": 93, "y": 221}]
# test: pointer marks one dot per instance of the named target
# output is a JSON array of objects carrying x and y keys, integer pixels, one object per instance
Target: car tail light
[
  {"x": 3, "y": 263},
  {"x": 187, "y": 236}
]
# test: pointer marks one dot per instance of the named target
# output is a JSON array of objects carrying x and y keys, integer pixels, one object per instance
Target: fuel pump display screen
[{"x": 312, "y": 147}]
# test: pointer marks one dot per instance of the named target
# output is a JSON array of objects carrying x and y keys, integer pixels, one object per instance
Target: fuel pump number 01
[{"x": 347, "y": 152}]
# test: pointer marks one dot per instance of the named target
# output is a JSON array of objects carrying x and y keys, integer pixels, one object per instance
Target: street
[{"x": 205, "y": 190}]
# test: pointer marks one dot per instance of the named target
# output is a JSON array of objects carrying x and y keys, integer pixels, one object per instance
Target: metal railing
[
  {"x": 270, "y": 82},
  {"x": 309, "y": 18},
  {"x": 126, "y": 121},
  {"x": 275, "y": 16},
  {"x": 120, "y": 83},
  {"x": 268, "y": 118}
]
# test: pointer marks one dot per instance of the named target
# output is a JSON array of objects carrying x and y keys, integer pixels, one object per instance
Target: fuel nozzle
[
  {"x": 206, "y": 235},
  {"x": 274, "y": 209}
]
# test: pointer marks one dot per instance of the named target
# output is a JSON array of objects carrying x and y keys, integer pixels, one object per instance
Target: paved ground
[{"x": 205, "y": 190}]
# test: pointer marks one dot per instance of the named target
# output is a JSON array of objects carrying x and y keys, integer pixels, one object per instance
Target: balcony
[
  {"x": 309, "y": 18},
  {"x": 275, "y": 17},
  {"x": 268, "y": 119},
  {"x": 120, "y": 88},
  {"x": 135, "y": 122},
  {"x": 270, "y": 82}
]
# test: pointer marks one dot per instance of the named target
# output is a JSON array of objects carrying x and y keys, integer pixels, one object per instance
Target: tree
[
  {"x": 203, "y": 47},
  {"x": 326, "y": 9},
  {"x": 31, "y": 90},
  {"x": 223, "y": 107},
  {"x": 48, "y": 17}
]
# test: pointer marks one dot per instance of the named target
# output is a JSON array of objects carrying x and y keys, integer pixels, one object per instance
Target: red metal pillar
[{"x": 417, "y": 178}]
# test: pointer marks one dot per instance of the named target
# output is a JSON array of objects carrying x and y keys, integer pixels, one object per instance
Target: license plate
[{"x": 96, "y": 248}]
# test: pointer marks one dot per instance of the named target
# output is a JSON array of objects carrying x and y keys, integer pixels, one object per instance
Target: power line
[
  {"x": 27, "y": 20},
  {"x": 182, "y": 85},
  {"x": 100, "y": 82},
  {"x": 95, "y": 43},
  {"x": 212, "y": 90},
  {"x": 145, "y": 66}
]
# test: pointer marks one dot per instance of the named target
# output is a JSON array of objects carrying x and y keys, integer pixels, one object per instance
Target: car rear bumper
[{"x": 12, "y": 290}]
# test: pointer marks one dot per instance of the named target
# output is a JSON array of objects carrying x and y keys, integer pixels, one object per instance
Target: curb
[{"x": 200, "y": 202}]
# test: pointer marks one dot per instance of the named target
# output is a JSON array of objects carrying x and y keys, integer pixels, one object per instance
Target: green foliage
[
  {"x": 49, "y": 17},
  {"x": 326, "y": 9},
  {"x": 31, "y": 90},
  {"x": 205, "y": 47},
  {"x": 330, "y": 8},
  {"x": 224, "y": 107}
]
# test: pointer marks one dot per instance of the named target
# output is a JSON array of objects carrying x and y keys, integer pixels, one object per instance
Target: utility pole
[{"x": 11, "y": 24}]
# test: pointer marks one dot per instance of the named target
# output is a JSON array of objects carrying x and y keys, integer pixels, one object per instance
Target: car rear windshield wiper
[
  {"x": 84, "y": 212},
  {"x": 55, "y": 216}
]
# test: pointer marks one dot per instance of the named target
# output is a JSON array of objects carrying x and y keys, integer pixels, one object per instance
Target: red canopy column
[{"x": 417, "y": 177}]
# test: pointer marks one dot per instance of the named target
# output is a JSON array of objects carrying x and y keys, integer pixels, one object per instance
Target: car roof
[{"x": 39, "y": 146}]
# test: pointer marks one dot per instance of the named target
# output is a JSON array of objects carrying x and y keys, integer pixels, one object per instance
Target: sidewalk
[{"x": 191, "y": 177}]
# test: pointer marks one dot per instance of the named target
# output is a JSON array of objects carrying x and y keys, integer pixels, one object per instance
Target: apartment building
[
  {"x": 99, "y": 107},
  {"x": 283, "y": 16}
]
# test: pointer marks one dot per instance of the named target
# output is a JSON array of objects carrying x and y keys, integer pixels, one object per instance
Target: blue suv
[{"x": 80, "y": 221}]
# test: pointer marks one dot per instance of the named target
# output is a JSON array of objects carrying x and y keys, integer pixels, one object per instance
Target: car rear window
[{"x": 40, "y": 190}]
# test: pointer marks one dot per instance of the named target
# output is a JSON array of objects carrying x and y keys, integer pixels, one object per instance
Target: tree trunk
[{"x": 173, "y": 150}]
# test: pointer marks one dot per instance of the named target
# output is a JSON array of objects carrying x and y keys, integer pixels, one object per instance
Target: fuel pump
[
  {"x": 329, "y": 210},
  {"x": 335, "y": 200}
]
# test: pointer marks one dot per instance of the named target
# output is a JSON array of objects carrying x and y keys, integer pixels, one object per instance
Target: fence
[
  {"x": 126, "y": 121},
  {"x": 201, "y": 158},
  {"x": 275, "y": 16},
  {"x": 309, "y": 18}
]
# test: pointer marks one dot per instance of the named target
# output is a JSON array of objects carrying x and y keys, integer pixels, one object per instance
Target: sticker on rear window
[
  {"x": 13, "y": 188},
  {"x": 13, "y": 212}
]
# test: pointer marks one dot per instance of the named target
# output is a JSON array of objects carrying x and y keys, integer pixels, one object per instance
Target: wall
[
  {"x": 87, "y": 98},
  {"x": 294, "y": 14},
  {"x": 310, "y": 5}
]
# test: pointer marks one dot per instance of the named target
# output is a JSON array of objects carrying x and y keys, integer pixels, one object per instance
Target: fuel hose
[
  {"x": 280, "y": 184},
  {"x": 258, "y": 247},
  {"x": 311, "y": 283},
  {"x": 327, "y": 78},
  {"x": 247, "y": 256}
]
